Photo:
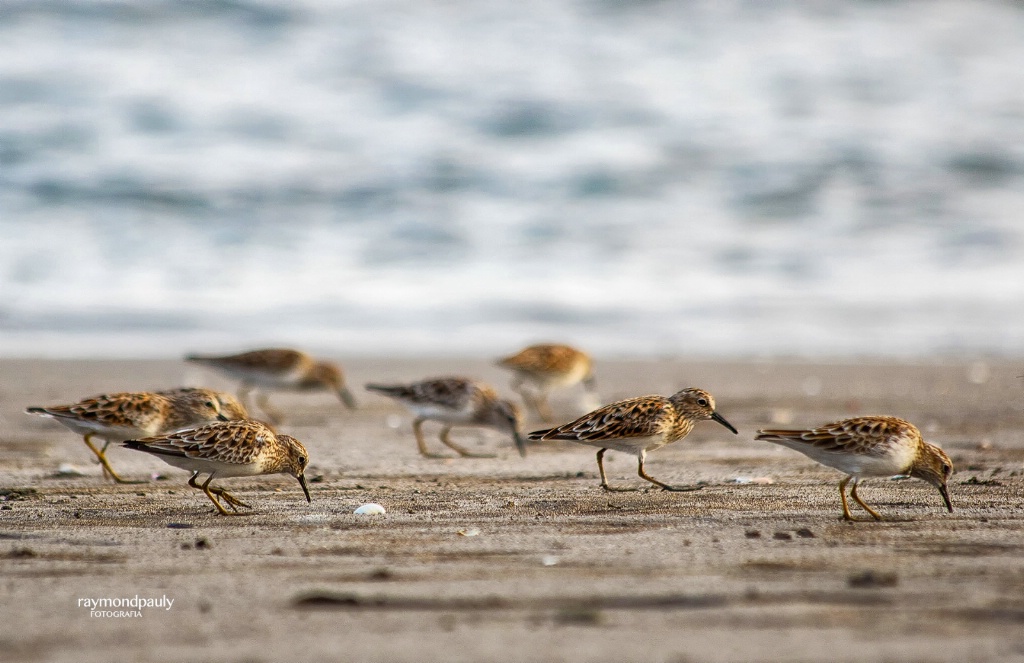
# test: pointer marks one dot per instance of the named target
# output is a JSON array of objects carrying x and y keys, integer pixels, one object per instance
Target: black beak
[
  {"x": 520, "y": 442},
  {"x": 221, "y": 417},
  {"x": 945, "y": 497},
  {"x": 347, "y": 398},
  {"x": 302, "y": 482},
  {"x": 720, "y": 419}
]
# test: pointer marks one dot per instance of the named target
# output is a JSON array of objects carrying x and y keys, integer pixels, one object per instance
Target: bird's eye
[
  {"x": 946, "y": 469},
  {"x": 703, "y": 402},
  {"x": 210, "y": 404},
  {"x": 302, "y": 460}
]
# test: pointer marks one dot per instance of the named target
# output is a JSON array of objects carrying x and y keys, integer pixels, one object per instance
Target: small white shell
[
  {"x": 371, "y": 509},
  {"x": 760, "y": 481},
  {"x": 471, "y": 531}
]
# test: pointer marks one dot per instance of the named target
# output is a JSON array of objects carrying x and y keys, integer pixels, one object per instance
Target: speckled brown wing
[
  {"x": 271, "y": 360},
  {"x": 230, "y": 407},
  {"x": 860, "y": 435},
  {"x": 543, "y": 359},
  {"x": 113, "y": 409},
  {"x": 644, "y": 416},
  {"x": 236, "y": 442},
  {"x": 451, "y": 392}
]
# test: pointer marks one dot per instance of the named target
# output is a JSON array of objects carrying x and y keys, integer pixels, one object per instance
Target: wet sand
[{"x": 511, "y": 559}]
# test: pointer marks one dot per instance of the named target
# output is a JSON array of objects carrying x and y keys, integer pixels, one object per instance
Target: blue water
[{"x": 640, "y": 178}]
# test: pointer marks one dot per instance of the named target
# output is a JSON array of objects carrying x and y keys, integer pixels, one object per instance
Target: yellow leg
[
  {"x": 232, "y": 501},
  {"x": 462, "y": 450},
  {"x": 102, "y": 456},
  {"x": 544, "y": 408},
  {"x": 664, "y": 486},
  {"x": 535, "y": 402},
  {"x": 604, "y": 479},
  {"x": 214, "y": 493},
  {"x": 853, "y": 494},
  {"x": 103, "y": 450},
  {"x": 842, "y": 494},
  {"x": 417, "y": 430}
]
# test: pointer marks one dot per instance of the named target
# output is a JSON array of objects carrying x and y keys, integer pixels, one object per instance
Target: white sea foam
[{"x": 650, "y": 178}]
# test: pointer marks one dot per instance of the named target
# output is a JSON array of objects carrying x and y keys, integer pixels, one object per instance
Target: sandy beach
[{"x": 511, "y": 559}]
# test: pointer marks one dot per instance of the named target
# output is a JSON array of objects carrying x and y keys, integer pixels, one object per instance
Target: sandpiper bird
[
  {"x": 279, "y": 369},
  {"x": 638, "y": 425},
  {"x": 547, "y": 367},
  {"x": 228, "y": 449},
  {"x": 877, "y": 446},
  {"x": 454, "y": 401},
  {"x": 230, "y": 406},
  {"x": 123, "y": 416}
]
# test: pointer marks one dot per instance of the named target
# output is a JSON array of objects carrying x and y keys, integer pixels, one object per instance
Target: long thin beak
[
  {"x": 720, "y": 419},
  {"x": 945, "y": 497},
  {"x": 347, "y": 398},
  {"x": 302, "y": 482},
  {"x": 221, "y": 417},
  {"x": 520, "y": 442}
]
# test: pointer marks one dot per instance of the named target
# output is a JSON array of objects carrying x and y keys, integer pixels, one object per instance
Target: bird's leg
[
  {"x": 530, "y": 399},
  {"x": 444, "y": 435},
  {"x": 263, "y": 400},
  {"x": 604, "y": 479},
  {"x": 220, "y": 492},
  {"x": 853, "y": 494},
  {"x": 103, "y": 451},
  {"x": 205, "y": 489},
  {"x": 347, "y": 398},
  {"x": 213, "y": 493},
  {"x": 232, "y": 501},
  {"x": 543, "y": 407},
  {"x": 107, "y": 469},
  {"x": 417, "y": 430},
  {"x": 842, "y": 494},
  {"x": 664, "y": 486}
]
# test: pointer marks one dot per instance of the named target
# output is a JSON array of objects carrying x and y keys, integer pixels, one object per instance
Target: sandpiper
[
  {"x": 454, "y": 401},
  {"x": 230, "y": 406},
  {"x": 546, "y": 367},
  {"x": 228, "y": 449},
  {"x": 123, "y": 416},
  {"x": 637, "y": 426},
  {"x": 278, "y": 369},
  {"x": 875, "y": 446}
]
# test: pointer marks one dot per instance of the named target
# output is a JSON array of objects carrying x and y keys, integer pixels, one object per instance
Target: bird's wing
[
  {"x": 636, "y": 417},
  {"x": 236, "y": 442},
  {"x": 863, "y": 435}
]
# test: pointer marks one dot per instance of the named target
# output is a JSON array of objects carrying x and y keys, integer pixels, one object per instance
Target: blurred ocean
[{"x": 725, "y": 177}]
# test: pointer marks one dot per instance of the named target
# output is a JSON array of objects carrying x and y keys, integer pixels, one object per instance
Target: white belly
[
  {"x": 221, "y": 470},
  {"x": 895, "y": 460},
  {"x": 443, "y": 414},
  {"x": 630, "y": 445},
  {"x": 111, "y": 433}
]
